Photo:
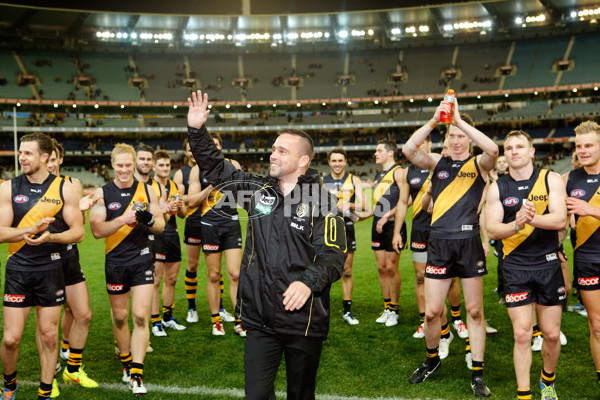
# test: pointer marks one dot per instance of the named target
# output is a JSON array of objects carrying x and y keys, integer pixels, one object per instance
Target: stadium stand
[
  {"x": 266, "y": 71},
  {"x": 110, "y": 76},
  {"x": 586, "y": 61}
]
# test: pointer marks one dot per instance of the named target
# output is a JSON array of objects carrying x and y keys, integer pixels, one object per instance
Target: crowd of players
[{"x": 457, "y": 200}]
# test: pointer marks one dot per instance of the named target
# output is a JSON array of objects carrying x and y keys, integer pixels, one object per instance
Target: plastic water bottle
[
  {"x": 446, "y": 118},
  {"x": 139, "y": 205},
  {"x": 176, "y": 198}
]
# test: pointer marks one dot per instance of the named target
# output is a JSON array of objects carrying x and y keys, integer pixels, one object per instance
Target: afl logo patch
[
  {"x": 21, "y": 199},
  {"x": 148, "y": 273},
  {"x": 415, "y": 181},
  {"x": 60, "y": 292},
  {"x": 577, "y": 193},
  {"x": 443, "y": 174},
  {"x": 511, "y": 201},
  {"x": 114, "y": 206}
]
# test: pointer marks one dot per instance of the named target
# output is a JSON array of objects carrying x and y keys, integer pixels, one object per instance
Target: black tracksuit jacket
[{"x": 298, "y": 237}]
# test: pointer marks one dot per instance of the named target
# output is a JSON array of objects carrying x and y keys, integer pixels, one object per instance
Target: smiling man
[
  {"x": 129, "y": 265},
  {"x": 526, "y": 209},
  {"x": 345, "y": 186},
  {"x": 40, "y": 216},
  {"x": 584, "y": 202},
  {"x": 454, "y": 249},
  {"x": 295, "y": 249}
]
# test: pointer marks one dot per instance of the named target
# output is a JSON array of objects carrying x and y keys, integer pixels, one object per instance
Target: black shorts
[
  {"x": 587, "y": 275},
  {"x": 350, "y": 238},
  {"x": 383, "y": 240},
  {"x": 192, "y": 234},
  {"x": 449, "y": 258},
  {"x": 72, "y": 269},
  {"x": 30, "y": 289},
  {"x": 418, "y": 240},
  {"x": 120, "y": 278},
  {"x": 218, "y": 238},
  {"x": 545, "y": 287},
  {"x": 168, "y": 248}
]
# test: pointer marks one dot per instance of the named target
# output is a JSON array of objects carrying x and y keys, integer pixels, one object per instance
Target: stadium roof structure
[{"x": 276, "y": 21}]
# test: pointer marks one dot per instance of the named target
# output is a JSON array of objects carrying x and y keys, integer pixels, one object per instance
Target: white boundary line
[{"x": 207, "y": 391}]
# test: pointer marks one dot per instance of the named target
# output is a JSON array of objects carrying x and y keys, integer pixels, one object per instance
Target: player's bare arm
[
  {"x": 556, "y": 218},
  {"x": 100, "y": 226},
  {"x": 486, "y": 160}
]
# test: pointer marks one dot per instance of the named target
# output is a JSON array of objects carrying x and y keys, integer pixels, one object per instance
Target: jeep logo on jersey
[
  {"x": 511, "y": 201},
  {"x": 21, "y": 199},
  {"x": 114, "y": 206},
  {"x": 577, "y": 193},
  {"x": 415, "y": 181},
  {"x": 443, "y": 174},
  {"x": 302, "y": 210}
]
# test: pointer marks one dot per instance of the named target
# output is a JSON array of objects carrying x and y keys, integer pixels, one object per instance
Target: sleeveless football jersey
[
  {"x": 385, "y": 192},
  {"x": 31, "y": 202},
  {"x": 418, "y": 180},
  {"x": 586, "y": 187},
  {"x": 457, "y": 187},
  {"x": 128, "y": 245},
  {"x": 531, "y": 247},
  {"x": 219, "y": 208},
  {"x": 343, "y": 189}
]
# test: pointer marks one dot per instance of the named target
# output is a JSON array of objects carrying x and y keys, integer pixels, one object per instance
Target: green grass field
[{"x": 364, "y": 361}]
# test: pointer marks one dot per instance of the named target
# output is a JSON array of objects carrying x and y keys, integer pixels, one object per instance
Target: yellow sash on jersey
[
  {"x": 113, "y": 240},
  {"x": 383, "y": 186},
  {"x": 40, "y": 210},
  {"x": 417, "y": 202},
  {"x": 455, "y": 190},
  {"x": 156, "y": 186},
  {"x": 587, "y": 225},
  {"x": 172, "y": 189},
  {"x": 539, "y": 189},
  {"x": 212, "y": 200},
  {"x": 346, "y": 191}
]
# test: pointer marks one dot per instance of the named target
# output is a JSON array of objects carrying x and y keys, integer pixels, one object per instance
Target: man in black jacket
[{"x": 295, "y": 249}]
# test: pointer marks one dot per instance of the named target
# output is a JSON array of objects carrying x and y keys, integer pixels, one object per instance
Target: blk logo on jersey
[
  {"x": 21, "y": 199},
  {"x": 415, "y": 181},
  {"x": 443, "y": 175},
  {"x": 511, "y": 201},
  {"x": 114, "y": 206},
  {"x": 577, "y": 193}
]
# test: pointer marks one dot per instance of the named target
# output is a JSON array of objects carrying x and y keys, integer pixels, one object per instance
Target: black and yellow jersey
[
  {"x": 385, "y": 193},
  {"x": 70, "y": 249},
  {"x": 343, "y": 189},
  {"x": 418, "y": 180},
  {"x": 31, "y": 202},
  {"x": 193, "y": 215},
  {"x": 218, "y": 209},
  {"x": 171, "y": 226},
  {"x": 457, "y": 187},
  {"x": 128, "y": 245},
  {"x": 586, "y": 187},
  {"x": 530, "y": 248}
]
